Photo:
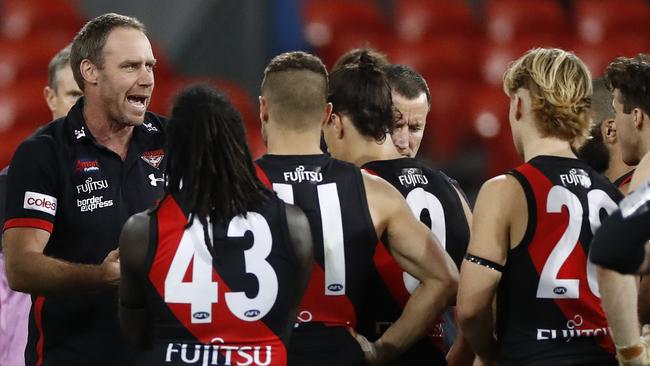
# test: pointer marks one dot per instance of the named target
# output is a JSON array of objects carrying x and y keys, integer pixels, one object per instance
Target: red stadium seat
[
  {"x": 416, "y": 20},
  {"x": 447, "y": 127},
  {"x": 165, "y": 90},
  {"x": 27, "y": 59},
  {"x": 438, "y": 57},
  {"x": 488, "y": 109},
  {"x": 21, "y": 19},
  {"x": 23, "y": 105},
  {"x": 325, "y": 21},
  {"x": 507, "y": 20},
  {"x": 22, "y": 111},
  {"x": 601, "y": 19},
  {"x": 347, "y": 41},
  {"x": 496, "y": 57},
  {"x": 598, "y": 56}
]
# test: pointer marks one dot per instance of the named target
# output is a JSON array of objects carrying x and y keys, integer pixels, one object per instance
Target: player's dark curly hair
[
  {"x": 631, "y": 76},
  {"x": 208, "y": 160},
  {"x": 361, "y": 92}
]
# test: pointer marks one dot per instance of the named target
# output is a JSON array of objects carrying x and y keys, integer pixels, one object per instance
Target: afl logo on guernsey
[
  {"x": 310, "y": 174},
  {"x": 576, "y": 177},
  {"x": 560, "y": 290},
  {"x": 335, "y": 287},
  {"x": 252, "y": 313},
  {"x": 200, "y": 315}
]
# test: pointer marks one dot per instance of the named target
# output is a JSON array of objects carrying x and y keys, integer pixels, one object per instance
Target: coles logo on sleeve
[{"x": 40, "y": 202}]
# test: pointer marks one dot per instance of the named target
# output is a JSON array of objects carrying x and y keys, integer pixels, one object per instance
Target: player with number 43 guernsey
[
  {"x": 214, "y": 275},
  {"x": 532, "y": 229}
]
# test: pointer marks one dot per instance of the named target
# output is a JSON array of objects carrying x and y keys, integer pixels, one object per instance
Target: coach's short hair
[
  {"x": 407, "y": 82},
  {"x": 295, "y": 85},
  {"x": 631, "y": 76},
  {"x": 57, "y": 63},
  {"x": 90, "y": 41},
  {"x": 560, "y": 88}
]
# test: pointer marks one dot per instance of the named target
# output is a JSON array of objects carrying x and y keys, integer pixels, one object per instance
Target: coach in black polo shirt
[{"x": 71, "y": 187}]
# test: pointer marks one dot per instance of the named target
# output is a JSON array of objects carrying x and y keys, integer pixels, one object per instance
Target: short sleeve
[{"x": 32, "y": 198}]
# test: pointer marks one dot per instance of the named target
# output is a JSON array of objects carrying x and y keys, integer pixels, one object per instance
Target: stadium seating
[
  {"x": 598, "y": 20},
  {"x": 417, "y": 20},
  {"x": 507, "y": 20}
]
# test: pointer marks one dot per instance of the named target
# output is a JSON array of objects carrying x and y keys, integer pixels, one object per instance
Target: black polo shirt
[{"x": 60, "y": 180}]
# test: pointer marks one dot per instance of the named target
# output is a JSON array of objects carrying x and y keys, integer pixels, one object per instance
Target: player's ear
[
  {"x": 89, "y": 71},
  {"x": 50, "y": 98},
  {"x": 639, "y": 117},
  {"x": 264, "y": 109},
  {"x": 336, "y": 122},
  {"x": 327, "y": 114},
  {"x": 608, "y": 130},
  {"x": 519, "y": 106}
]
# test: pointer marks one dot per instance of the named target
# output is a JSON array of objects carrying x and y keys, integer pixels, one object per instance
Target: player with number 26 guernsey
[
  {"x": 213, "y": 275},
  {"x": 532, "y": 229}
]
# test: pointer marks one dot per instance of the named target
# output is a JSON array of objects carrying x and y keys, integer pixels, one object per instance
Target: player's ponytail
[{"x": 361, "y": 92}]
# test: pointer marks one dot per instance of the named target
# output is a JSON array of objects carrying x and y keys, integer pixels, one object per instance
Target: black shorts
[{"x": 319, "y": 345}]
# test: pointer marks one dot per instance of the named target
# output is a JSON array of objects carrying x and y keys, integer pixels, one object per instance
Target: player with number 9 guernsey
[
  {"x": 348, "y": 211},
  {"x": 532, "y": 229},
  {"x": 215, "y": 273},
  {"x": 363, "y": 110}
]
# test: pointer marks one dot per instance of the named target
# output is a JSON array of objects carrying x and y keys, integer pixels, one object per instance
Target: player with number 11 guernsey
[
  {"x": 214, "y": 274},
  {"x": 532, "y": 229},
  {"x": 348, "y": 211}
]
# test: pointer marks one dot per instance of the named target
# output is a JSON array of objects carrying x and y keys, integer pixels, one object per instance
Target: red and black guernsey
[
  {"x": 624, "y": 179},
  {"x": 549, "y": 310},
  {"x": 230, "y": 306},
  {"x": 434, "y": 199},
  {"x": 332, "y": 195},
  {"x": 63, "y": 181}
]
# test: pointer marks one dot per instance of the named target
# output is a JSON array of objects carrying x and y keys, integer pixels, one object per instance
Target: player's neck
[
  {"x": 370, "y": 150},
  {"x": 617, "y": 168},
  {"x": 283, "y": 142},
  {"x": 549, "y": 146}
]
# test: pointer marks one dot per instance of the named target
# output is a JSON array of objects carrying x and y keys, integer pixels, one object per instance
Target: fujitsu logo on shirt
[
  {"x": 576, "y": 177},
  {"x": 218, "y": 354},
  {"x": 91, "y": 185},
  {"x": 40, "y": 202},
  {"x": 301, "y": 174},
  {"x": 412, "y": 176}
]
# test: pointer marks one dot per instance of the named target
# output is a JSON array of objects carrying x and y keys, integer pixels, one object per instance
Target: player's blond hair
[{"x": 560, "y": 89}]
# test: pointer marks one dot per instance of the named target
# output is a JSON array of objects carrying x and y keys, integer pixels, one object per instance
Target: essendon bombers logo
[
  {"x": 154, "y": 157},
  {"x": 86, "y": 166},
  {"x": 40, "y": 202}
]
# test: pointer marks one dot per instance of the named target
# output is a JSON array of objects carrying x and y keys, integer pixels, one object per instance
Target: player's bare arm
[
  {"x": 134, "y": 242},
  {"x": 420, "y": 254},
  {"x": 489, "y": 244},
  {"x": 301, "y": 238},
  {"x": 30, "y": 270}
]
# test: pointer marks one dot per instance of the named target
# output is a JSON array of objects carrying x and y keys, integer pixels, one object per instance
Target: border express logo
[
  {"x": 86, "y": 166},
  {"x": 153, "y": 158}
]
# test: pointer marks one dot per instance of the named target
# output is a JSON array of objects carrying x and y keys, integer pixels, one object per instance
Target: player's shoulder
[
  {"x": 502, "y": 188},
  {"x": 378, "y": 189}
]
